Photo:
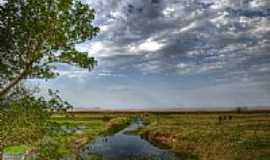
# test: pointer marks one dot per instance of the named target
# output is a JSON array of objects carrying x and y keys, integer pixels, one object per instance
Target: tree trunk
[
  {"x": 1, "y": 151},
  {"x": 14, "y": 82}
]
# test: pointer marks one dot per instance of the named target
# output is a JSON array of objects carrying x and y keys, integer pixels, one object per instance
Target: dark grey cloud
[
  {"x": 186, "y": 36},
  {"x": 170, "y": 52}
]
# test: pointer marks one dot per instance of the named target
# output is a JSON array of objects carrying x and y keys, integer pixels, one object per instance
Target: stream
[{"x": 124, "y": 146}]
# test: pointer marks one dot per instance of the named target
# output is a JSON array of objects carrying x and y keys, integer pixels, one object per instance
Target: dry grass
[{"x": 246, "y": 136}]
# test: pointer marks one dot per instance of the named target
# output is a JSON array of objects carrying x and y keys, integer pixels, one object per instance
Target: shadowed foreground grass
[
  {"x": 205, "y": 137},
  {"x": 20, "y": 149},
  {"x": 69, "y": 132}
]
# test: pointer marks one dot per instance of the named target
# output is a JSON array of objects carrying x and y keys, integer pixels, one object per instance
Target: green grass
[
  {"x": 246, "y": 136},
  {"x": 91, "y": 126},
  {"x": 116, "y": 124},
  {"x": 192, "y": 135},
  {"x": 20, "y": 149}
]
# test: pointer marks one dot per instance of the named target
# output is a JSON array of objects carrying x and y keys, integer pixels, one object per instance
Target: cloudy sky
[{"x": 171, "y": 53}]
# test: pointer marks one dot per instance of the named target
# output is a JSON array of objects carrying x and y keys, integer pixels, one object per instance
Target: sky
[{"x": 173, "y": 53}]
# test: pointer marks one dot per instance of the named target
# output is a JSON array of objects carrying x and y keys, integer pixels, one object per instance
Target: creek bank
[
  {"x": 112, "y": 126},
  {"x": 166, "y": 139},
  {"x": 125, "y": 146},
  {"x": 163, "y": 140},
  {"x": 117, "y": 124},
  {"x": 70, "y": 137}
]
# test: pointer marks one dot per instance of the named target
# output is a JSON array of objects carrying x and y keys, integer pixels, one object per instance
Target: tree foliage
[
  {"x": 24, "y": 116},
  {"x": 36, "y": 34}
]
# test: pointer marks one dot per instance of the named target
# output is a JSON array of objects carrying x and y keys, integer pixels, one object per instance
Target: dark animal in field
[
  {"x": 224, "y": 118},
  {"x": 219, "y": 119}
]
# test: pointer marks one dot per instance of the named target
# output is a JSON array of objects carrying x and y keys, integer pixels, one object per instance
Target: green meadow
[
  {"x": 194, "y": 136},
  {"x": 204, "y": 136}
]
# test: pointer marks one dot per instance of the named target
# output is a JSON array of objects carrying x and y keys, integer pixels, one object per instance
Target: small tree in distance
[{"x": 36, "y": 34}]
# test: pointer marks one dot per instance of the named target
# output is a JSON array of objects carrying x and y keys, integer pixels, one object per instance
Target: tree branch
[
  {"x": 16, "y": 80},
  {"x": 22, "y": 75}
]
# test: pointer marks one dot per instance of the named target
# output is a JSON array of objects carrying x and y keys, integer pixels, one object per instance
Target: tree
[
  {"x": 24, "y": 116},
  {"x": 23, "y": 120},
  {"x": 37, "y": 34}
]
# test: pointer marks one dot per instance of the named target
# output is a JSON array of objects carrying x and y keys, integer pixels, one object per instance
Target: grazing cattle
[
  {"x": 224, "y": 118},
  {"x": 219, "y": 119}
]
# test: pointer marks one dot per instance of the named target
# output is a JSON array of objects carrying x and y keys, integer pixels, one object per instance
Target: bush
[{"x": 49, "y": 149}]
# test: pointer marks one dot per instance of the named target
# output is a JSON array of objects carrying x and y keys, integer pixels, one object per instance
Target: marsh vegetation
[
  {"x": 206, "y": 137},
  {"x": 201, "y": 136}
]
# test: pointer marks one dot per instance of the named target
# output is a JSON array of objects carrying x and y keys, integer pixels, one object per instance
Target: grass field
[
  {"x": 81, "y": 128},
  {"x": 202, "y": 136},
  {"x": 206, "y": 137}
]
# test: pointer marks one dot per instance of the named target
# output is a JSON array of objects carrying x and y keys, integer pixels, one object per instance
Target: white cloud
[
  {"x": 103, "y": 49},
  {"x": 189, "y": 27},
  {"x": 149, "y": 45},
  {"x": 221, "y": 19},
  {"x": 96, "y": 47},
  {"x": 262, "y": 26},
  {"x": 105, "y": 28},
  {"x": 74, "y": 74},
  {"x": 107, "y": 73},
  {"x": 191, "y": 38},
  {"x": 259, "y": 3},
  {"x": 168, "y": 12}
]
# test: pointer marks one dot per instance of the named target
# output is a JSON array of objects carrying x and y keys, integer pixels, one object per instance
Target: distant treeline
[{"x": 180, "y": 111}]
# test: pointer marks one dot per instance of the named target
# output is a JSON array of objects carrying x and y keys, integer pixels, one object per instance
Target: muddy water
[{"x": 123, "y": 146}]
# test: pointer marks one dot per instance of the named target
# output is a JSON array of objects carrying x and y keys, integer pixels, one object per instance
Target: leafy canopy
[
  {"x": 24, "y": 116},
  {"x": 36, "y": 34}
]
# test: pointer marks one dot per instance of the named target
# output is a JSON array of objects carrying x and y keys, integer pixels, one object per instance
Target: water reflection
[{"x": 122, "y": 146}]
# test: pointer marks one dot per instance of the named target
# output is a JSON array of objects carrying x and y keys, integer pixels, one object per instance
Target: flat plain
[
  {"x": 194, "y": 136},
  {"x": 205, "y": 136}
]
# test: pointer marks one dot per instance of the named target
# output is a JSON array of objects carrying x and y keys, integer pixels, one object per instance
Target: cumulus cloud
[
  {"x": 147, "y": 47},
  {"x": 163, "y": 35}
]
